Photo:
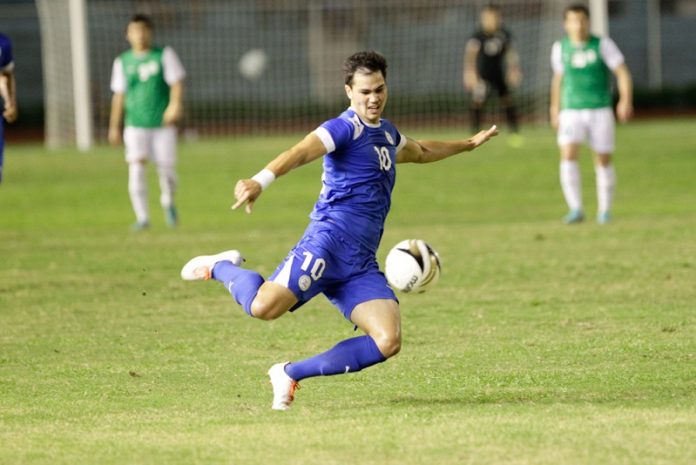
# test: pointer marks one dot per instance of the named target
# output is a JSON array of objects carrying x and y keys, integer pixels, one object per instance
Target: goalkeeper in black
[{"x": 491, "y": 64}]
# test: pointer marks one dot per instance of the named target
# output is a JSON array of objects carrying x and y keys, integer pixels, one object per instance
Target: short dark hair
[
  {"x": 494, "y": 7},
  {"x": 369, "y": 62},
  {"x": 142, "y": 18},
  {"x": 576, "y": 8}
]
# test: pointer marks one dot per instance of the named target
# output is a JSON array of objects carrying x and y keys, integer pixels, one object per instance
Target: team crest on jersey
[
  {"x": 389, "y": 137},
  {"x": 147, "y": 69},
  {"x": 582, "y": 58},
  {"x": 493, "y": 46},
  {"x": 357, "y": 126},
  {"x": 304, "y": 282}
]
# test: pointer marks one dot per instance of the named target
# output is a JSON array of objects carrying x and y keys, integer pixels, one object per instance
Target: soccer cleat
[
  {"x": 284, "y": 387},
  {"x": 140, "y": 226},
  {"x": 574, "y": 217},
  {"x": 201, "y": 268},
  {"x": 171, "y": 216},
  {"x": 603, "y": 217}
]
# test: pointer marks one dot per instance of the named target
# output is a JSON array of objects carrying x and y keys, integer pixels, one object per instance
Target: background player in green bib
[
  {"x": 581, "y": 108},
  {"x": 148, "y": 82}
]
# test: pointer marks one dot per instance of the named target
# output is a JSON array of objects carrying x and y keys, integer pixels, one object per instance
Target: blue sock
[
  {"x": 242, "y": 284},
  {"x": 346, "y": 356}
]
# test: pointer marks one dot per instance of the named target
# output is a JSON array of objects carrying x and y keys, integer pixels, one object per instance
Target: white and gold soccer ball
[{"x": 412, "y": 266}]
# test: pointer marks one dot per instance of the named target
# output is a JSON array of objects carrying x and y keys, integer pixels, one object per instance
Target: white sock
[
  {"x": 606, "y": 181},
  {"x": 571, "y": 184},
  {"x": 167, "y": 181},
  {"x": 137, "y": 189}
]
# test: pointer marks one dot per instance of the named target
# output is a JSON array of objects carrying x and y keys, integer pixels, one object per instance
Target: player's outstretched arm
[
  {"x": 428, "y": 151},
  {"x": 247, "y": 191}
]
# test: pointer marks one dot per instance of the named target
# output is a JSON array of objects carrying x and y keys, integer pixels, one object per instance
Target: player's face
[
  {"x": 490, "y": 20},
  {"x": 138, "y": 36},
  {"x": 368, "y": 95},
  {"x": 577, "y": 26}
]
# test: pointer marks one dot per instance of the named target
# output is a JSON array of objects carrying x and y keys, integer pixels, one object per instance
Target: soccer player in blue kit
[{"x": 337, "y": 254}]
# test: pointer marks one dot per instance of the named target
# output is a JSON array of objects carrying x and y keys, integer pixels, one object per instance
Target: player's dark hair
[
  {"x": 494, "y": 7},
  {"x": 142, "y": 18},
  {"x": 366, "y": 62},
  {"x": 576, "y": 8}
]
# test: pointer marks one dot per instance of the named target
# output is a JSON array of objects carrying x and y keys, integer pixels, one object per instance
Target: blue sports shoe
[
  {"x": 574, "y": 217},
  {"x": 171, "y": 216},
  {"x": 603, "y": 217}
]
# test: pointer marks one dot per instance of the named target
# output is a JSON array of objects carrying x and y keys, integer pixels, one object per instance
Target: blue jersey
[
  {"x": 359, "y": 175},
  {"x": 5, "y": 52}
]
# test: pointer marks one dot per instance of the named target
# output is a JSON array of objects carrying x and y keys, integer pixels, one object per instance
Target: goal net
[{"x": 275, "y": 65}]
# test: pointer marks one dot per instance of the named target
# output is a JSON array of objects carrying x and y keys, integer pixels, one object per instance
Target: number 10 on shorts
[{"x": 317, "y": 267}]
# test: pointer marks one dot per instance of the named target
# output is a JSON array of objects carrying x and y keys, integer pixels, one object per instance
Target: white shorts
[
  {"x": 597, "y": 125},
  {"x": 156, "y": 144}
]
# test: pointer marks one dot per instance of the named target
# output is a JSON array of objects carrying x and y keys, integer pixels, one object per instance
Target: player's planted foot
[
  {"x": 603, "y": 217},
  {"x": 171, "y": 216},
  {"x": 201, "y": 268},
  {"x": 140, "y": 226},
  {"x": 574, "y": 217},
  {"x": 284, "y": 387}
]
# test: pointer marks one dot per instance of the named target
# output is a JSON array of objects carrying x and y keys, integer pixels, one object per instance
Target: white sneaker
[
  {"x": 284, "y": 387},
  {"x": 201, "y": 267}
]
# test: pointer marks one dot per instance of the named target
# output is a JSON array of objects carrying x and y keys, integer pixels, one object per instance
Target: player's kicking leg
[
  {"x": 262, "y": 299},
  {"x": 201, "y": 268},
  {"x": 367, "y": 301},
  {"x": 258, "y": 298}
]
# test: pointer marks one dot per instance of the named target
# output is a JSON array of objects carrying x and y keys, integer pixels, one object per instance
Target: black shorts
[{"x": 487, "y": 85}]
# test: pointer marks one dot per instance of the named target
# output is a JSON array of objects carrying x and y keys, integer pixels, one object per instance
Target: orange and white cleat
[
  {"x": 284, "y": 387},
  {"x": 201, "y": 268}
]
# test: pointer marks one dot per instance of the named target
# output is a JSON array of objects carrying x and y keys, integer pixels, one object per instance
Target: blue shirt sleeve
[
  {"x": 340, "y": 131},
  {"x": 5, "y": 51}
]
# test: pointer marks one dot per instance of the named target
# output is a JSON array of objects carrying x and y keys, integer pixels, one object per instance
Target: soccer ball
[
  {"x": 253, "y": 63},
  {"x": 412, "y": 266}
]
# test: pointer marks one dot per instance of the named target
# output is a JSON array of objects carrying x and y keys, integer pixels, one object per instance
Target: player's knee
[
  {"x": 603, "y": 160},
  {"x": 388, "y": 343},
  {"x": 265, "y": 309}
]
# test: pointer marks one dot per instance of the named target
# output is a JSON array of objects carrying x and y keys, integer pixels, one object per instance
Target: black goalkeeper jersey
[{"x": 492, "y": 50}]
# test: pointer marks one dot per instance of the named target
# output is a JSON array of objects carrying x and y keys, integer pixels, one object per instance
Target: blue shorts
[{"x": 325, "y": 261}]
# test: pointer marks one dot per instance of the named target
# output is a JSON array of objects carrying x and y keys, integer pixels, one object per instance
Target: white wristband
[{"x": 264, "y": 177}]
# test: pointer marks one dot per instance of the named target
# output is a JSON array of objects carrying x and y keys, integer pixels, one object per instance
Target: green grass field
[{"x": 542, "y": 343}]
